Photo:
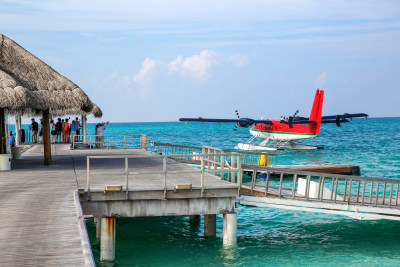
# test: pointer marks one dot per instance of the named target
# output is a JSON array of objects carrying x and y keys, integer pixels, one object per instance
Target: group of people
[{"x": 61, "y": 131}]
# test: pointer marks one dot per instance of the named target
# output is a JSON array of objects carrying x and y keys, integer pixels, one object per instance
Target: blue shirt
[
  {"x": 73, "y": 127},
  {"x": 12, "y": 140}
]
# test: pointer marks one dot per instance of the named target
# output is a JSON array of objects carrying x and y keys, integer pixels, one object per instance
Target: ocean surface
[{"x": 269, "y": 236}]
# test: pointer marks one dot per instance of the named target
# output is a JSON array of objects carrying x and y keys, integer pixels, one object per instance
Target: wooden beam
[
  {"x": 17, "y": 133},
  {"x": 3, "y": 140},
  {"x": 46, "y": 137}
]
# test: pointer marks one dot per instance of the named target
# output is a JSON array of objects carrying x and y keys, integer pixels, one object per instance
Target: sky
[{"x": 157, "y": 60}]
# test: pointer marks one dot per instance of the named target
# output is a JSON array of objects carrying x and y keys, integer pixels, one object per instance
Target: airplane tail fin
[{"x": 316, "y": 112}]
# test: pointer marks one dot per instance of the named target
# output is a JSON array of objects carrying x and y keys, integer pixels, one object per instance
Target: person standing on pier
[
  {"x": 66, "y": 131},
  {"x": 59, "y": 130},
  {"x": 53, "y": 131},
  {"x": 73, "y": 131},
  {"x": 100, "y": 133},
  {"x": 78, "y": 131},
  {"x": 62, "y": 130},
  {"x": 12, "y": 139},
  {"x": 41, "y": 130},
  {"x": 35, "y": 128}
]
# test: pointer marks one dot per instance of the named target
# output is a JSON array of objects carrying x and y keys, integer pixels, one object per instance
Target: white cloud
[
  {"x": 143, "y": 76},
  {"x": 176, "y": 64},
  {"x": 321, "y": 80},
  {"x": 238, "y": 60},
  {"x": 197, "y": 65}
]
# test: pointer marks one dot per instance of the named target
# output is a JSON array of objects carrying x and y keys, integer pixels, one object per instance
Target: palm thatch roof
[
  {"x": 27, "y": 83},
  {"x": 96, "y": 112}
]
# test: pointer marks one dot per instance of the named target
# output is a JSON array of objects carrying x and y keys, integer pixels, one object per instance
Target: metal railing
[
  {"x": 271, "y": 182},
  {"x": 247, "y": 157},
  {"x": 110, "y": 141},
  {"x": 172, "y": 149},
  {"x": 204, "y": 159},
  {"x": 322, "y": 187},
  {"x": 29, "y": 138}
]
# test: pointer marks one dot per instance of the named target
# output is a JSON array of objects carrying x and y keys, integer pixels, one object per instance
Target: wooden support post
[
  {"x": 17, "y": 129},
  {"x": 210, "y": 225},
  {"x": 46, "y": 137},
  {"x": 230, "y": 229},
  {"x": 143, "y": 142},
  {"x": 3, "y": 139},
  {"x": 107, "y": 239},
  {"x": 233, "y": 165},
  {"x": 83, "y": 119}
]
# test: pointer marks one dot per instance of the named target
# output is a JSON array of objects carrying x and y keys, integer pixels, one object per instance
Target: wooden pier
[
  {"x": 43, "y": 209},
  {"x": 42, "y": 219},
  {"x": 39, "y": 216}
]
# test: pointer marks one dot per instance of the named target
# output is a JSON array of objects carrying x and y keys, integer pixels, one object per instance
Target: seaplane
[{"x": 286, "y": 132}]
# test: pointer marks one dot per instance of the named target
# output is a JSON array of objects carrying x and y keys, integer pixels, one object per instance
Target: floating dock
[{"x": 324, "y": 168}]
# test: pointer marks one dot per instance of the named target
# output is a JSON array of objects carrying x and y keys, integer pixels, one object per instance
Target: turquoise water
[{"x": 270, "y": 236}]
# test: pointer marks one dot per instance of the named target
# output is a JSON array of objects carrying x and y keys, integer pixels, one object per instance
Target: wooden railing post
[{"x": 202, "y": 175}]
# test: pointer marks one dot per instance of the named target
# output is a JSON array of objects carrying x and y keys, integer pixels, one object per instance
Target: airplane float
[{"x": 284, "y": 133}]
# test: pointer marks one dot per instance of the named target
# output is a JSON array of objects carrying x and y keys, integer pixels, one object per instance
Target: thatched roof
[
  {"x": 27, "y": 83},
  {"x": 96, "y": 112}
]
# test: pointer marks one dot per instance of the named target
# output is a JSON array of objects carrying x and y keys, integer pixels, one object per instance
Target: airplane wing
[
  {"x": 244, "y": 122},
  {"x": 345, "y": 116},
  {"x": 338, "y": 119}
]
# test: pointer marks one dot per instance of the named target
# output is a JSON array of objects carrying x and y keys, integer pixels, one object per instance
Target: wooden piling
[
  {"x": 230, "y": 229},
  {"x": 210, "y": 225},
  {"x": 3, "y": 139},
  {"x": 107, "y": 239},
  {"x": 46, "y": 137}
]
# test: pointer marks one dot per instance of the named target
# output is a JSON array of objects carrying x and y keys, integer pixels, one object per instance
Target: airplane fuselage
[{"x": 281, "y": 131}]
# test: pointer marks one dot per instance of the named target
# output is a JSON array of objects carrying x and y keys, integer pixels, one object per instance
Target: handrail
[
  {"x": 323, "y": 187},
  {"x": 248, "y": 157},
  {"x": 100, "y": 140},
  {"x": 339, "y": 176},
  {"x": 277, "y": 182},
  {"x": 206, "y": 158}
]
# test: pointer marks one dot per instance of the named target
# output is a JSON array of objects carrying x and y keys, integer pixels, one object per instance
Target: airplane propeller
[
  {"x": 237, "y": 124},
  {"x": 237, "y": 113}
]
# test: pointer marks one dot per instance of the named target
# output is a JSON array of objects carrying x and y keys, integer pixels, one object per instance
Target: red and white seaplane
[{"x": 284, "y": 133}]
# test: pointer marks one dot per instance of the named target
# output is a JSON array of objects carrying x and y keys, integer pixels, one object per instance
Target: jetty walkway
[
  {"x": 43, "y": 208},
  {"x": 39, "y": 216},
  {"x": 42, "y": 220}
]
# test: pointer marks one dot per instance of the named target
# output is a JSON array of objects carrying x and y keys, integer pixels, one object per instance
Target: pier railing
[
  {"x": 248, "y": 158},
  {"x": 229, "y": 174},
  {"x": 320, "y": 187},
  {"x": 110, "y": 141},
  {"x": 310, "y": 189},
  {"x": 173, "y": 149}
]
